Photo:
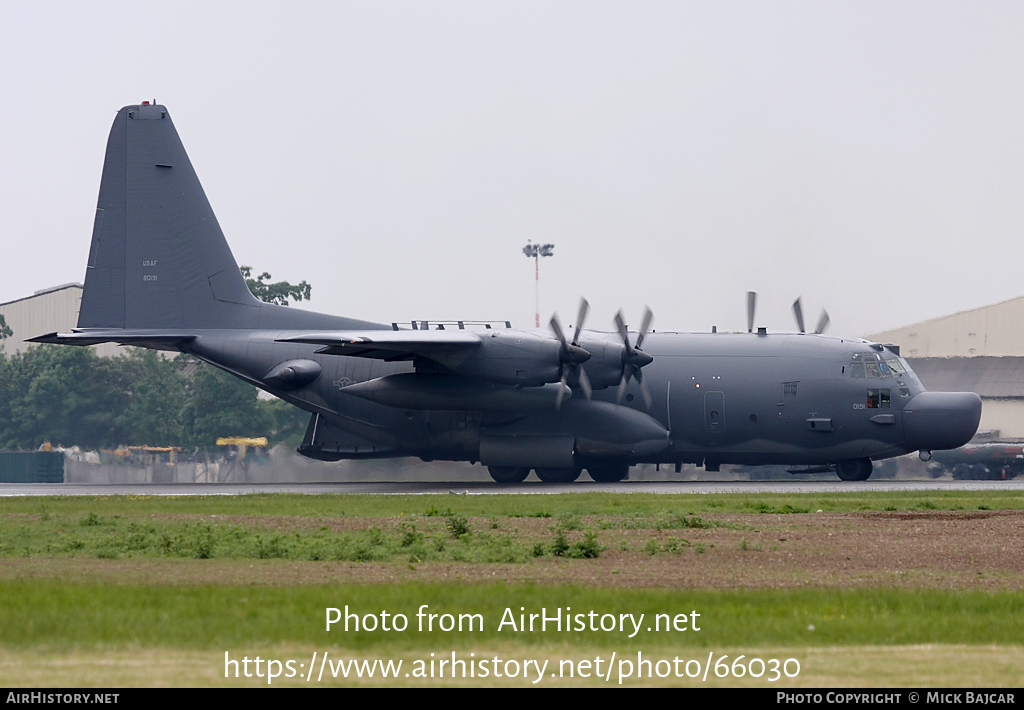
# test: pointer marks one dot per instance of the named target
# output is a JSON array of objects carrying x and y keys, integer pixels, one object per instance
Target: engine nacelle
[
  {"x": 604, "y": 368},
  {"x": 514, "y": 358}
]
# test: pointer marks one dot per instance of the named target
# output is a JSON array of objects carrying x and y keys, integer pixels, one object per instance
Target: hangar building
[
  {"x": 46, "y": 311},
  {"x": 981, "y": 350}
]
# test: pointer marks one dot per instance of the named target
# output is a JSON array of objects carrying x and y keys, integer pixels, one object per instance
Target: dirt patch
[{"x": 939, "y": 550}]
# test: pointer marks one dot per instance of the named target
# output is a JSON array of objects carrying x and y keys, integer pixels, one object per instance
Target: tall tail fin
[{"x": 158, "y": 256}]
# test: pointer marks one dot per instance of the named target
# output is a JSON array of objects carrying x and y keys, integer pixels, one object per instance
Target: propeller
[
  {"x": 823, "y": 320},
  {"x": 634, "y": 359},
  {"x": 572, "y": 356},
  {"x": 798, "y": 311}
]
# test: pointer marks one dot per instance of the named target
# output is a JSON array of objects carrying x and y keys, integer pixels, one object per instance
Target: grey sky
[{"x": 398, "y": 155}]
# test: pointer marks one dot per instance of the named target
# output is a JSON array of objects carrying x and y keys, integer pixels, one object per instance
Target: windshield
[{"x": 873, "y": 366}]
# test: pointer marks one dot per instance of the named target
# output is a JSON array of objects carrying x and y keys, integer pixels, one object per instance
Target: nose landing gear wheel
[
  {"x": 508, "y": 474},
  {"x": 854, "y": 469},
  {"x": 558, "y": 475}
]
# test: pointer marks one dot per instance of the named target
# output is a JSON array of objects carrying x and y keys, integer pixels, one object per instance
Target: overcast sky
[{"x": 397, "y": 156}]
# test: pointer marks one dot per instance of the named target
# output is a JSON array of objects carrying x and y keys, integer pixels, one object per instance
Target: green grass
[
  {"x": 120, "y": 537},
  {"x": 403, "y": 528},
  {"x": 54, "y": 615},
  {"x": 60, "y": 616},
  {"x": 527, "y": 505}
]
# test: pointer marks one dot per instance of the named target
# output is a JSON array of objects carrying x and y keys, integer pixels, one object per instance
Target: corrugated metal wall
[
  {"x": 47, "y": 311},
  {"x": 992, "y": 331}
]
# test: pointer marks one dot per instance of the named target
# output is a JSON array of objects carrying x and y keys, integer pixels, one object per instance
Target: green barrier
[{"x": 31, "y": 467}]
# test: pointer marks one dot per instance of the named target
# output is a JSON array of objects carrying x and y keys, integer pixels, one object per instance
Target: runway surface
[{"x": 476, "y": 488}]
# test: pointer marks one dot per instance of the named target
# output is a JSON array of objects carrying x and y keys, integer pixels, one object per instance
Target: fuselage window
[{"x": 878, "y": 399}]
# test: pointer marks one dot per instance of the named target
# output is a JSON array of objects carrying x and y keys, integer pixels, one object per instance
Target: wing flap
[{"x": 389, "y": 345}]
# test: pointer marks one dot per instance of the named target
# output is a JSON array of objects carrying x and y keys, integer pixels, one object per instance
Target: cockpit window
[
  {"x": 870, "y": 366},
  {"x": 897, "y": 365}
]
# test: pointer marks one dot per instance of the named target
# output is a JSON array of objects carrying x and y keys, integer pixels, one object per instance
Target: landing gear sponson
[{"x": 606, "y": 473}]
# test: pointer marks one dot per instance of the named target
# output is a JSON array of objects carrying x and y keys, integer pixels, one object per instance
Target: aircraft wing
[{"x": 390, "y": 344}]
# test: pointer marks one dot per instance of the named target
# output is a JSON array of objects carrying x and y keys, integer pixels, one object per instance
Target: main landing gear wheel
[
  {"x": 854, "y": 469},
  {"x": 508, "y": 474},
  {"x": 609, "y": 473},
  {"x": 558, "y": 475}
]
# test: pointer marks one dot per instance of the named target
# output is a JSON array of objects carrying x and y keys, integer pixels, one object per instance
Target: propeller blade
[
  {"x": 798, "y": 311},
  {"x": 633, "y": 359},
  {"x": 572, "y": 355},
  {"x": 580, "y": 318},
  {"x": 822, "y": 322},
  {"x": 751, "y": 307},
  {"x": 645, "y": 393},
  {"x": 560, "y": 396},
  {"x": 648, "y": 317},
  {"x": 621, "y": 326},
  {"x": 556, "y": 328},
  {"x": 585, "y": 384}
]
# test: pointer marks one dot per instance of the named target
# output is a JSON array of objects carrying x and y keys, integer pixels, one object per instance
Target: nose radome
[{"x": 941, "y": 420}]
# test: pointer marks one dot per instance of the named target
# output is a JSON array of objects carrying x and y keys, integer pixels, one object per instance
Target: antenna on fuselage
[{"x": 751, "y": 307}]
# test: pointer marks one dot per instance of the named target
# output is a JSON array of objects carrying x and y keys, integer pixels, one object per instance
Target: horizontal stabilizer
[{"x": 143, "y": 338}]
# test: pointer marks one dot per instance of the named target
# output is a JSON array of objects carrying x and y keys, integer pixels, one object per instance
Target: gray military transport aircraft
[{"x": 160, "y": 275}]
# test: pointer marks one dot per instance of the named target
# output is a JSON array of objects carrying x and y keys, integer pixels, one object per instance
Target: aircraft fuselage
[{"x": 747, "y": 398}]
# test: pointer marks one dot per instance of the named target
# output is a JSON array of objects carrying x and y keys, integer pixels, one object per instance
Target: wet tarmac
[{"x": 478, "y": 488}]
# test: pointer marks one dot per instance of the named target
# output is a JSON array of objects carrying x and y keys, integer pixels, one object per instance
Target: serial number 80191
[{"x": 757, "y": 667}]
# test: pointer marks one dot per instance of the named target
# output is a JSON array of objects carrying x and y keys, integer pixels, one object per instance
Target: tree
[
  {"x": 154, "y": 391},
  {"x": 57, "y": 394},
  {"x": 218, "y": 404},
  {"x": 279, "y": 292},
  {"x": 71, "y": 396},
  {"x": 6, "y": 332}
]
